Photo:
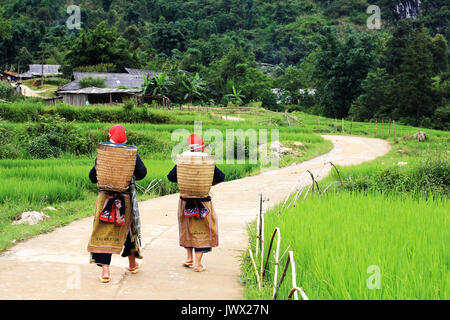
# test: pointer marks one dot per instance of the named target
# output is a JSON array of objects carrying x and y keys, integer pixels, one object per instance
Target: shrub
[
  {"x": 128, "y": 105},
  {"x": 92, "y": 82},
  {"x": 6, "y": 91},
  {"x": 431, "y": 176},
  {"x": 41, "y": 147},
  {"x": 9, "y": 151},
  {"x": 56, "y": 135}
]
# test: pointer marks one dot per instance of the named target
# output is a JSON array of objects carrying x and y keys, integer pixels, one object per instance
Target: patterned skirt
[{"x": 198, "y": 232}]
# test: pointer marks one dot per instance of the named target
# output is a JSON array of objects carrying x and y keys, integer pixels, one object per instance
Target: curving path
[{"x": 55, "y": 265}]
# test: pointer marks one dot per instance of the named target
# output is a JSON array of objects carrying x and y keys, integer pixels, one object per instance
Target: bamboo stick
[
  {"x": 294, "y": 276},
  {"x": 297, "y": 289},
  {"x": 393, "y": 130},
  {"x": 254, "y": 268}
]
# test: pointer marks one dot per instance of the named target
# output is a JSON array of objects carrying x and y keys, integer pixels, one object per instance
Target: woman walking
[
  {"x": 116, "y": 226},
  {"x": 197, "y": 220}
]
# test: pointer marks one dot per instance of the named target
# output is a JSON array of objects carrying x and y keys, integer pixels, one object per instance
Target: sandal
[
  {"x": 104, "y": 279},
  {"x": 200, "y": 268},
  {"x": 136, "y": 269},
  {"x": 188, "y": 264}
]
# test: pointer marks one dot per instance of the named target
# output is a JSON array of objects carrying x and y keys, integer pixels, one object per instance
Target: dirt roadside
[{"x": 55, "y": 265}]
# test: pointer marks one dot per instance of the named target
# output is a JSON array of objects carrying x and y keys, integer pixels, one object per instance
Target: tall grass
[{"x": 338, "y": 237}]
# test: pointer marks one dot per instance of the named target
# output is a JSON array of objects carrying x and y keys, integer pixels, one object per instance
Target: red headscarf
[
  {"x": 118, "y": 134},
  {"x": 196, "y": 143}
]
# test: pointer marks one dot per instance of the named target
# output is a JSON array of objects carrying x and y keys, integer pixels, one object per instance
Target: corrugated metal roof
[
  {"x": 112, "y": 80},
  {"x": 36, "y": 70},
  {"x": 93, "y": 90},
  {"x": 140, "y": 72}
]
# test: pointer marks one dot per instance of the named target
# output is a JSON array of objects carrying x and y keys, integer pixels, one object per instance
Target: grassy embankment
[{"x": 391, "y": 213}]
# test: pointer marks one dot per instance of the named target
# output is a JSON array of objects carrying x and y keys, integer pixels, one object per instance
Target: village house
[
  {"x": 36, "y": 71},
  {"x": 8, "y": 75},
  {"x": 118, "y": 87}
]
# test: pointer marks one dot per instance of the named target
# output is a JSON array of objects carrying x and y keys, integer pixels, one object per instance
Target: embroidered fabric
[
  {"x": 195, "y": 208},
  {"x": 113, "y": 209}
]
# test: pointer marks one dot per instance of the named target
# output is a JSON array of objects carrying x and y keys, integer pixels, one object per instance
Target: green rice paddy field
[
  {"x": 382, "y": 234},
  {"x": 339, "y": 239}
]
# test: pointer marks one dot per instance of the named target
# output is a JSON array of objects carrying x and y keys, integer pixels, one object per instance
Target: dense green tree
[
  {"x": 396, "y": 47},
  {"x": 290, "y": 82},
  {"x": 133, "y": 35},
  {"x": 375, "y": 100},
  {"x": 439, "y": 50},
  {"x": 100, "y": 45},
  {"x": 23, "y": 59},
  {"x": 5, "y": 26},
  {"x": 341, "y": 65},
  {"x": 169, "y": 36},
  {"x": 413, "y": 97}
]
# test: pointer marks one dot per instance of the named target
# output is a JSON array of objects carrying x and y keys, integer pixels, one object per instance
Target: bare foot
[
  {"x": 106, "y": 276},
  {"x": 133, "y": 266},
  {"x": 188, "y": 263},
  {"x": 199, "y": 268}
]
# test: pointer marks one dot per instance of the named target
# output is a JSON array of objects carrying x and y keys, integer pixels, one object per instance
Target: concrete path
[{"x": 55, "y": 265}]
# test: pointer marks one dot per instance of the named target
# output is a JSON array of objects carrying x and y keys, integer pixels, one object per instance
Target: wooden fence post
[
  {"x": 351, "y": 126},
  {"x": 318, "y": 124},
  {"x": 342, "y": 124},
  {"x": 376, "y": 127},
  {"x": 393, "y": 130},
  {"x": 389, "y": 128},
  {"x": 382, "y": 129},
  {"x": 335, "y": 124}
]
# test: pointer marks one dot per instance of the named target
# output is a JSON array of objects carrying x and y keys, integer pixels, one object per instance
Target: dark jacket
[
  {"x": 219, "y": 176},
  {"x": 140, "y": 171}
]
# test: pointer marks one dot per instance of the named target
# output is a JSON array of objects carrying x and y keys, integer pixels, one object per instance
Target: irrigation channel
[{"x": 55, "y": 265}]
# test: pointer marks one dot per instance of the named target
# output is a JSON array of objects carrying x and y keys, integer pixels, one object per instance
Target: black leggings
[
  {"x": 105, "y": 258},
  {"x": 204, "y": 250}
]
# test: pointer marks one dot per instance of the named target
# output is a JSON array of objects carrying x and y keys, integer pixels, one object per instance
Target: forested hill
[
  {"x": 276, "y": 31},
  {"x": 237, "y": 51}
]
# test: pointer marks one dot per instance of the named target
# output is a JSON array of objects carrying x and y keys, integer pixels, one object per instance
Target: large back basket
[
  {"x": 195, "y": 175},
  {"x": 115, "y": 166}
]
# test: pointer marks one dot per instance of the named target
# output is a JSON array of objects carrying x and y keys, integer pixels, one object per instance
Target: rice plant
[{"x": 340, "y": 239}]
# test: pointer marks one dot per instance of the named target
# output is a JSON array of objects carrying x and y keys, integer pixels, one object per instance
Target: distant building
[
  {"x": 87, "y": 96},
  {"x": 35, "y": 71},
  {"x": 8, "y": 75},
  {"x": 118, "y": 87}
]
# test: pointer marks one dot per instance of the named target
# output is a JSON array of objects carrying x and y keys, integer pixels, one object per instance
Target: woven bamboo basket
[
  {"x": 195, "y": 175},
  {"x": 115, "y": 166}
]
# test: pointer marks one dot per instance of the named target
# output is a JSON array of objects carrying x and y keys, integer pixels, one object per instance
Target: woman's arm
[
  {"x": 219, "y": 176},
  {"x": 140, "y": 171},
  {"x": 93, "y": 173},
  {"x": 172, "y": 176}
]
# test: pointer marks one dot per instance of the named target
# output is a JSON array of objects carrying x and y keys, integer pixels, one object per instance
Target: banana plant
[
  {"x": 194, "y": 85},
  {"x": 148, "y": 84},
  {"x": 159, "y": 85},
  {"x": 236, "y": 96}
]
